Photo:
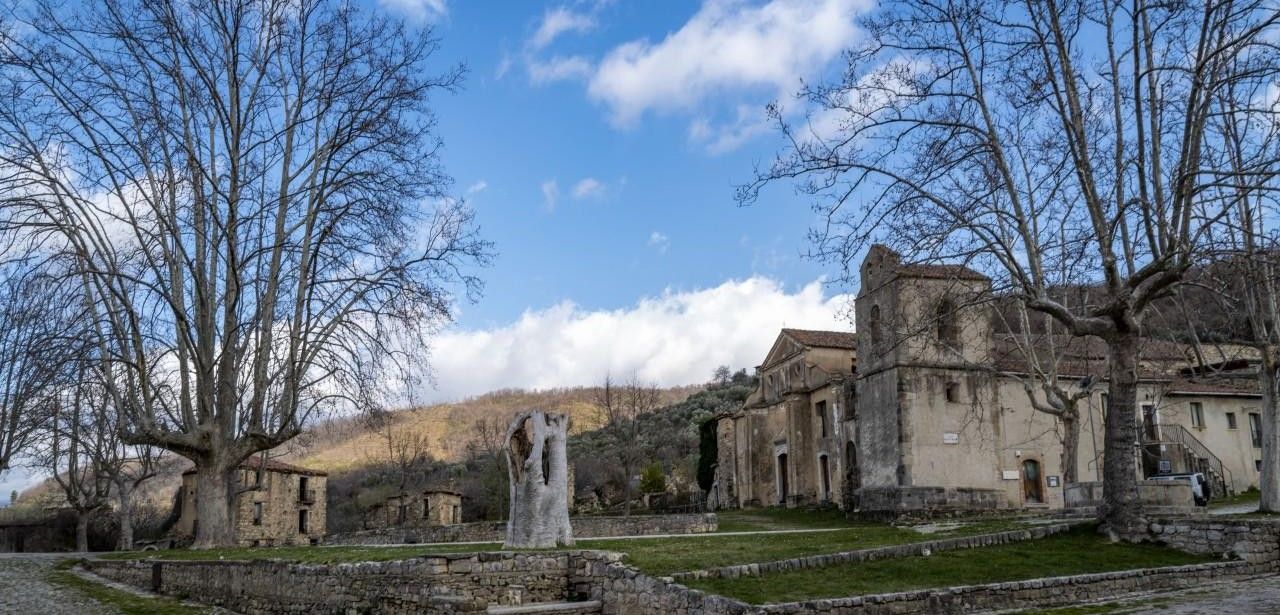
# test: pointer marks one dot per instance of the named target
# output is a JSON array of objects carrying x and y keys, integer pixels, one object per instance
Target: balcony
[{"x": 307, "y": 496}]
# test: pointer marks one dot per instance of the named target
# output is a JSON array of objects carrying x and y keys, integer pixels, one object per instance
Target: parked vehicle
[{"x": 1200, "y": 488}]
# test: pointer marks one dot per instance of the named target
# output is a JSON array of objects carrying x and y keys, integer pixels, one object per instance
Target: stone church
[{"x": 925, "y": 408}]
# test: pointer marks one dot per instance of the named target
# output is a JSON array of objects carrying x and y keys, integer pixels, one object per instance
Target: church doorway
[{"x": 1031, "y": 491}]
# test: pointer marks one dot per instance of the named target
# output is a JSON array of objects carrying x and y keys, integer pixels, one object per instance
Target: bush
[{"x": 652, "y": 479}]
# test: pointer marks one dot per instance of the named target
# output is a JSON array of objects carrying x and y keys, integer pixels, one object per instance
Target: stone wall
[
  {"x": 495, "y": 531},
  {"x": 1161, "y": 497},
  {"x": 624, "y": 591},
  {"x": 923, "y": 502},
  {"x": 1252, "y": 540},
  {"x": 465, "y": 582}
]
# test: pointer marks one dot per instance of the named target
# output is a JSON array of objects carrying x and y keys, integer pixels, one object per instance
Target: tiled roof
[
  {"x": 254, "y": 462},
  {"x": 939, "y": 272},
  {"x": 824, "y": 339}
]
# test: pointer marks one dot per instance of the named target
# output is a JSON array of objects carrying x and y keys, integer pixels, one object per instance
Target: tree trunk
[
  {"x": 82, "y": 530},
  {"x": 215, "y": 521},
  {"x": 124, "y": 516},
  {"x": 1070, "y": 443},
  {"x": 1269, "y": 481},
  {"x": 539, "y": 471},
  {"x": 1122, "y": 514},
  {"x": 626, "y": 491}
]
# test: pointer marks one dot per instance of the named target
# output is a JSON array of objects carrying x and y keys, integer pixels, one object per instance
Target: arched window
[
  {"x": 945, "y": 318},
  {"x": 874, "y": 325}
]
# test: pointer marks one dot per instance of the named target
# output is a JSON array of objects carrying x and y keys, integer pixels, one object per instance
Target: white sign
[
  {"x": 950, "y": 438},
  {"x": 1011, "y": 475}
]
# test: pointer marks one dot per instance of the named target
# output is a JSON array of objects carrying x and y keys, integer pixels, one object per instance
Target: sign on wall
[
  {"x": 1011, "y": 475},
  {"x": 950, "y": 438},
  {"x": 1052, "y": 481}
]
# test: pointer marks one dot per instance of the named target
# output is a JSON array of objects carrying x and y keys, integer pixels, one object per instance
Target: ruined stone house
[
  {"x": 287, "y": 507},
  {"x": 924, "y": 408},
  {"x": 432, "y": 507}
]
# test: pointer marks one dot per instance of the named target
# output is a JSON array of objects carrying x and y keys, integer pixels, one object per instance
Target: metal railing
[
  {"x": 1199, "y": 457},
  {"x": 307, "y": 496}
]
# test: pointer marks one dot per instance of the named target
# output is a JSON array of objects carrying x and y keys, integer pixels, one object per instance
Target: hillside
[{"x": 446, "y": 429}]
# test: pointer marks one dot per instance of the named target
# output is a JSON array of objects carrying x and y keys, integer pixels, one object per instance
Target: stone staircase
[
  {"x": 1186, "y": 453},
  {"x": 587, "y": 607}
]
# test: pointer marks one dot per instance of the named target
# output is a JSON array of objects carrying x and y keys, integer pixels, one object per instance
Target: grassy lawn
[
  {"x": 125, "y": 602},
  {"x": 659, "y": 556},
  {"x": 1078, "y": 551}
]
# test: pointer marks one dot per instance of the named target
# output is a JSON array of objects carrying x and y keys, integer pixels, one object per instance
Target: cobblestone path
[{"x": 24, "y": 590}]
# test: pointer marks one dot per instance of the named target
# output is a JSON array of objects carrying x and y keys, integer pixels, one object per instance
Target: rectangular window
[
  {"x": 953, "y": 392},
  {"x": 257, "y": 513},
  {"x": 302, "y": 521},
  {"x": 822, "y": 417},
  {"x": 1257, "y": 465},
  {"x": 1255, "y": 429},
  {"x": 1197, "y": 415},
  {"x": 1231, "y": 420}
]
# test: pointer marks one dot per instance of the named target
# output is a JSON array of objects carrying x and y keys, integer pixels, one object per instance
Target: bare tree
[
  {"x": 254, "y": 191},
  {"x": 35, "y": 352},
  {"x": 539, "y": 474},
  {"x": 1044, "y": 143},
  {"x": 621, "y": 406},
  {"x": 487, "y": 446},
  {"x": 75, "y": 438},
  {"x": 407, "y": 450}
]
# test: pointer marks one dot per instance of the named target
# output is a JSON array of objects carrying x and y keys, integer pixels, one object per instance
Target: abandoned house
[
  {"x": 925, "y": 408},
  {"x": 429, "y": 508},
  {"x": 286, "y": 508}
]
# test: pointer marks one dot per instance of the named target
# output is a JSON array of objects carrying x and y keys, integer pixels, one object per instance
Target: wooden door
[{"x": 1031, "y": 481}]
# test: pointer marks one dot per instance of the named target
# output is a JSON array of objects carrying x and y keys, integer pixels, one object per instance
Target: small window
[
  {"x": 1197, "y": 415},
  {"x": 821, "y": 409},
  {"x": 1257, "y": 465},
  {"x": 1255, "y": 429},
  {"x": 874, "y": 325},
  {"x": 1231, "y": 420},
  {"x": 945, "y": 319},
  {"x": 257, "y": 513},
  {"x": 426, "y": 507},
  {"x": 302, "y": 521},
  {"x": 953, "y": 392}
]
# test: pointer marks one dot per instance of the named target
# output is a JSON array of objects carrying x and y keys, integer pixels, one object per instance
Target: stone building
[
  {"x": 925, "y": 408},
  {"x": 432, "y": 507},
  {"x": 287, "y": 508}
]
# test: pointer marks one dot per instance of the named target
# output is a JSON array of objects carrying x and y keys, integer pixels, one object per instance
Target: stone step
[{"x": 549, "y": 608}]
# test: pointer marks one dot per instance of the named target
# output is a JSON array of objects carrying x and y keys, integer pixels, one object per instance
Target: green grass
[
  {"x": 1078, "y": 551},
  {"x": 125, "y": 602},
  {"x": 659, "y": 556},
  {"x": 766, "y": 519}
]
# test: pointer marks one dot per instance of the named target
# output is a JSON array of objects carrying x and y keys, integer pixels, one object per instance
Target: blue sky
[
  {"x": 600, "y": 143},
  {"x": 653, "y": 207}
]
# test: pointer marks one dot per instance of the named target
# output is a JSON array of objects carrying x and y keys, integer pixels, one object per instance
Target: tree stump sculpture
[{"x": 539, "y": 471}]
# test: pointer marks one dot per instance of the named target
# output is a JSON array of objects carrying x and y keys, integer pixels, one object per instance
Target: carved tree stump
[{"x": 539, "y": 471}]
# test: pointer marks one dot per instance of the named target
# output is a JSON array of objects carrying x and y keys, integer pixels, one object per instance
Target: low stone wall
[
  {"x": 1252, "y": 540},
  {"x": 455, "y": 583},
  {"x": 867, "y": 555},
  {"x": 1164, "y": 497},
  {"x": 495, "y": 531},
  {"x": 925, "y": 502}
]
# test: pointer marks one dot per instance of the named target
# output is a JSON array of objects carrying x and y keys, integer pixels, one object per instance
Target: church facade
[{"x": 926, "y": 407}]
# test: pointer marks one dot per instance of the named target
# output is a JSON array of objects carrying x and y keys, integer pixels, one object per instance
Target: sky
[{"x": 600, "y": 142}]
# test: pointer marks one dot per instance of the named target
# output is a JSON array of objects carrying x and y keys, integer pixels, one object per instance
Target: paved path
[
  {"x": 1235, "y": 509},
  {"x": 24, "y": 590}
]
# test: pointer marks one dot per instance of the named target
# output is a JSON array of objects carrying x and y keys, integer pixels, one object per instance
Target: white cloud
[
  {"x": 728, "y": 45},
  {"x": 750, "y": 122},
  {"x": 675, "y": 338},
  {"x": 588, "y": 188},
  {"x": 479, "y": 186},
  {"x": 558, "y": 21},
  {"x": 550, "y": 194},
  {"x": 559, "y": 68},
  {"x": 429, "y": 10},
  {"x": 659, "y": 242}
]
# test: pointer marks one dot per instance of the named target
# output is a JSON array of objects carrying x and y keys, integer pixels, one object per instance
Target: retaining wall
[
  {"x": 453, "y": 583},
  {"x": 1252, "y": 540},
  {"x": 495, "y": 531}
]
